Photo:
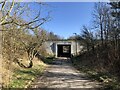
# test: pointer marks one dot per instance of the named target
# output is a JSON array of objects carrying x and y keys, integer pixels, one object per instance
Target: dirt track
[{"x": 61, "y": 74}]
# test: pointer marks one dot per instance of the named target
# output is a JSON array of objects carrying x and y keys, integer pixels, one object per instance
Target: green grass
[
  {"x": 48, "y": 60},
  {"x": 22, "y": 77}
]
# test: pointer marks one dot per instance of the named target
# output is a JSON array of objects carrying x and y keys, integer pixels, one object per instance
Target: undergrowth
[{"x": 109, "y": 80}]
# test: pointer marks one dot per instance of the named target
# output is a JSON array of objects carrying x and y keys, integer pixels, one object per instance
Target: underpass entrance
[{"x": 63, "y": 50}]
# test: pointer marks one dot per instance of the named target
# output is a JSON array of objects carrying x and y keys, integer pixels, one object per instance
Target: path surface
[{"x": 61, "y": 74}]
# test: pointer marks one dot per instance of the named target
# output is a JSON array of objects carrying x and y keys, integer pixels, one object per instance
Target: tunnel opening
[{"x": 63, "y": 50}]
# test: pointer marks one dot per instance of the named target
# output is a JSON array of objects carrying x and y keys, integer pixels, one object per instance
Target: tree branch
[{"x": 8, "y": 13}]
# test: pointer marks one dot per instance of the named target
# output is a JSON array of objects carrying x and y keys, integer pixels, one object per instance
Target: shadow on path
[{"x": 61, "y": 74}]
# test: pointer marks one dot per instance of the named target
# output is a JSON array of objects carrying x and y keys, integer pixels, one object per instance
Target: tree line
[{"x": 101, "y": 41}]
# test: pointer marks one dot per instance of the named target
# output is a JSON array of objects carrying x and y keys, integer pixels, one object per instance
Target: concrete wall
[{"x": 51, "y": 46}]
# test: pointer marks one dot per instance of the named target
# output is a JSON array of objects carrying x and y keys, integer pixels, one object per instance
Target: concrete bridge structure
[{"x": 63, "y": 48}]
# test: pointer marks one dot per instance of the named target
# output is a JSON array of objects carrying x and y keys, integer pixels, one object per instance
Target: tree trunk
[{"x": 1, "y": 58}]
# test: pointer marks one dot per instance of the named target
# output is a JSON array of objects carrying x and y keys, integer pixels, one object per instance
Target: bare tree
[
  {"x": 13, "y": 23},
  {"x": 87, "y": 38},
  {"x": 101, "y": 16},
  {"x": 115, "y": 13}
]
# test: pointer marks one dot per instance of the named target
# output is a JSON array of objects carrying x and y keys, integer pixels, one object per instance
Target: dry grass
[{"x": 9, "y": 70}]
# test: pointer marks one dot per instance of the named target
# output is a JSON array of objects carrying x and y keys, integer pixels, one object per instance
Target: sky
[{"x": 69, "y": 17}]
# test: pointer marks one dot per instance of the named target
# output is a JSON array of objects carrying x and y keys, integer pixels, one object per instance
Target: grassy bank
[
  {"x": 109, "y": 80},
  {"x": 22, "y": 78}
]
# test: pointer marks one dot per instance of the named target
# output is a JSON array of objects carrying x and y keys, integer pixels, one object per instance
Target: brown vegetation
[
  {"x": 102, "y": 46},
  {"x": 21, "y": 39}
]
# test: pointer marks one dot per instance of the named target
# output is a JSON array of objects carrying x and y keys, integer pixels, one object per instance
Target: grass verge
[
  {"x": 48, "y": 60},
  {"x": 22, "y": 78},
  {"x": 109, "y": 81}
]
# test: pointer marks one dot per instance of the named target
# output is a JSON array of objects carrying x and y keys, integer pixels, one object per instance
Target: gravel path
[{"x": 61, "y": 74}]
